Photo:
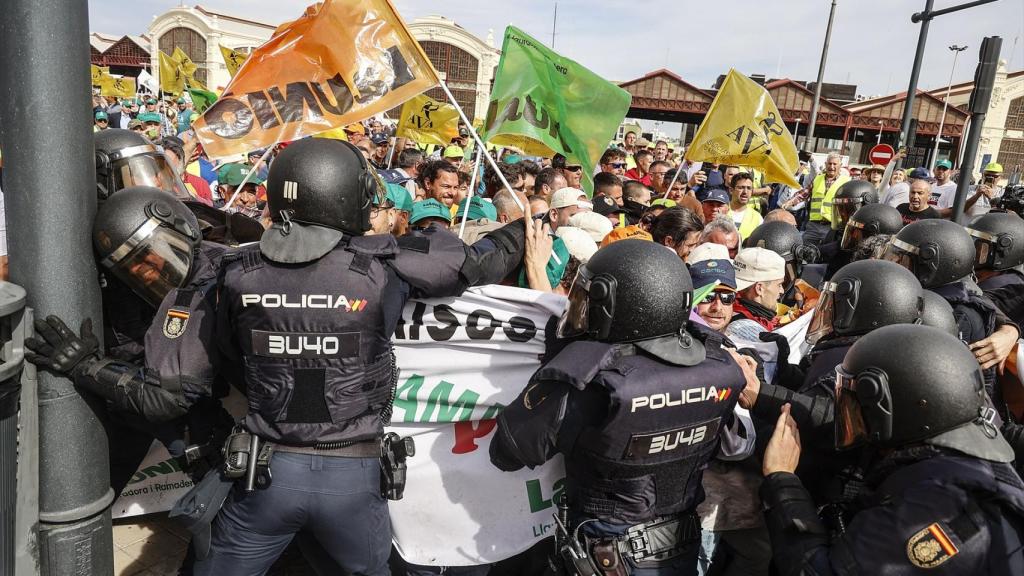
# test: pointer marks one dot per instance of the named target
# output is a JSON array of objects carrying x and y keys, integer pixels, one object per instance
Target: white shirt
[
  {"x": 982, "y": 206},
  {"x": 940, "y": 190},
  {"x": 897, "y": 194}
]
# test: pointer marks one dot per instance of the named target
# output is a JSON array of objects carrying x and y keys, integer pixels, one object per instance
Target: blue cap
[
  {"x": 716, "y": 195},
  {"x": 379, "y": 139},
  {"x": 919, "y": 174},
  {"x": 707, "y": 271},
  {"x": 478, "y": 208},
  {"x": 429, "y": 208}
]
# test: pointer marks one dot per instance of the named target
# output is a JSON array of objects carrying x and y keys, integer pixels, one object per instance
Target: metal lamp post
[{"x": 945, "y": 102}]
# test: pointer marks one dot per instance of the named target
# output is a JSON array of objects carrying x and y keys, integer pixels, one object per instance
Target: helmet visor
[
  {"x": 842, "y": 209},
  {"x": 849, "y": 419},
  {"x": 983, "y": 253},
  {"x": 901, "y": 253},
  {"x": 575, "y": 320},
  {"x": 852, "y": 236},
  {"x": 147, "y": 168},
  {"x": 821, "y": 323},
  {"x": 152, "y": 262}
]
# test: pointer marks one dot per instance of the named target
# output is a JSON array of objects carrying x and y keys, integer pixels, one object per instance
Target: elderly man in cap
[
  {"x": 760, "y": 276},
  {"x": 379, "y": 157},
  {"x": 100, "y": 121},
  {"x": 565, "y": 203},
  {"x": 229, "y": 177},
  {"x": 979, "y": 198},
  {"x": 355, "y": 133},
  {"x": 166, "y": 127},
  {"x": 715, "y": 202}
]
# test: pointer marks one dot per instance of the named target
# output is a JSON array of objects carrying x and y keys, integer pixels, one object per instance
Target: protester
[
  {"x": 743, "y": 215},
  {"x": 722, "y": 230},
  {"x": 917, "y": 207},
  {"x": 565, "y": 203},
  {"x": 439, "y": 180},
  {"x": 678, "y": 229},
  {"x": 979, "y": 198},
  {"x": 715, "y": 203},
  {"x": 823, "y": 190},
  {"x": 641, "y": 172},
  {"x": 613, "y": 161},
  {"x": 760, "y": 276}
]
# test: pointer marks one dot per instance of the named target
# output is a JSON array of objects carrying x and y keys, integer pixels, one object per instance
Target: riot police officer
[
  {"x": 785, "y": 240},
  {"x": 125, "y": 159},
  {"x": 941, "y": 496},
  {"x": 309, "y": 313},
  {"x": 850, "y": 198},
  {"x": 869, "y": 220},
  {"x": 151, "y": 242},
  {"x": 999, "y": 254},
  {"x": 635, "y": 404}
]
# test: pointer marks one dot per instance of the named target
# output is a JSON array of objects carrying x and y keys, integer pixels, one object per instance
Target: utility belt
[
  {"x": 247, "y": 457},
  {"x": 658, "y": 540}
]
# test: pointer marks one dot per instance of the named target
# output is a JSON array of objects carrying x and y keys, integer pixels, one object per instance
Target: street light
[
  {"x": 935, "y": 153},
  {"x": 880, "y": 124}
]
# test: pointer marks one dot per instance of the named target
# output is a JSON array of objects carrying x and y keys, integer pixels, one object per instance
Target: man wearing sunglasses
[
  {"x": 716, "y": 308},
  {"x": 613, "y": 161}
]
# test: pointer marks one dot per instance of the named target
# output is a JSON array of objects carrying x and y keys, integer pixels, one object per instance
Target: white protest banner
[{"x": 461, "y": 360}]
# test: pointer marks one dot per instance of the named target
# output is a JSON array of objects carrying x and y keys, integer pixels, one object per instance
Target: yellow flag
[
  {"x": 233, "y": 59},
  {"x": 119, "y": 87},
  {"x": 428, "y": 121},
  {"x": 188, "y": 67},
  {"x": 744, "y": 127},
  {"x": 98, "y": 73},
  {"x": 340, "y": 62},
  {"x": 172, "y": 80}
]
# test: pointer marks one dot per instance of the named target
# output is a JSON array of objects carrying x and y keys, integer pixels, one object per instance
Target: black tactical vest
[
  {"x": 661, "y": 429},
  {"x": 315, "y": 346}
]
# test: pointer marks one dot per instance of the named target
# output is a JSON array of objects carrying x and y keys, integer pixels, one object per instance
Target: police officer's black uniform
[
  {"x": 636, "y": 408},
  {"x": 999, "y": 253},
  {"x": 309, "y": 314},
  {"x": 943, "y": 499}
]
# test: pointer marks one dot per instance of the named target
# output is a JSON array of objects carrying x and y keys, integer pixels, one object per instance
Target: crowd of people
[{"x": 868, "y": 254}]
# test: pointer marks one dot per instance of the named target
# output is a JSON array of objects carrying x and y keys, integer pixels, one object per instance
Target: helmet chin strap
[{"x": 286, "y": 216}]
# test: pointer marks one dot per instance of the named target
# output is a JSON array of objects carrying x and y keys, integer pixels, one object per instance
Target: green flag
[
  {"x": 201, "y": 99},
  {"x": 543, "y": 103}
]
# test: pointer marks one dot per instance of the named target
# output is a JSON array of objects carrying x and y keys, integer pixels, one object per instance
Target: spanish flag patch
[
  {"x": 175, "y": 322},
  {"x": 930, "y": 547}
]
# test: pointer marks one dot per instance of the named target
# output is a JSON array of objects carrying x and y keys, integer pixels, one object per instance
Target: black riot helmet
[
  {"x": 863, "y": 296},
  {"x": 785, "y": 240},
  {"x": 125, "y": 159},
  {"x": 148, "y": 239},
  {"x": 938, "y": 313},
  {"x": 936, "y": 251},
  {"x": 998, "y": 240},
  {"x": 849, "y": 198},
  {"x": 870, "y": 220},
  {"x": 906, "y": 384},
  {"x": 318, "y": 189},
  {"x": 628, "y": 291}
]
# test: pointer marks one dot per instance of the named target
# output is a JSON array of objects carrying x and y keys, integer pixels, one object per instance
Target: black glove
[
  {"x": 786, "y": 374},
  {"x": 60, "y": 351}
]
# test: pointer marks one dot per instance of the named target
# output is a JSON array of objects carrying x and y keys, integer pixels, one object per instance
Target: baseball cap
[
  {"x": 604, "y": 206},
  {"x": 100, "y": 115},
  {"x": 758, "y": 265},
  {"x": 181, "y": 100},
  {"x": 463, "y": 132},
  {"x": 708, "y": 251},
  {"x": 478, "y": 208},
  {"x": 594, "y": 224},
  {"x": 454, "y": 152},
  {"x": 720, "y": 195},
  {"x": 149, "y": 117},
  {"x": 577, "y": 241},
  {"x": 664, "y": 202},
  {"x": 565, "y": 197},
  {"x": 399, "y": 196},
  {"x": 379, "y": 139},
  {"x": 624, "y": 233},
  {"x": 710, "y": 271},
  {"x": 993, "y": 167},
  {"x": 355, "y": 128},
  {"x": 150, "y": 100},
  {"x": 430, "y": 208},
  {"x": 233, "y": 173},
  {"x": 919, "y": 174},
  {"x": 944, "y": 164},
  {"x": 134, "y": 123}
]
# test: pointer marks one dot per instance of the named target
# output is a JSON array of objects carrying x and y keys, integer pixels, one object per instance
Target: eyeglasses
[{"x": 726, "y": 298}]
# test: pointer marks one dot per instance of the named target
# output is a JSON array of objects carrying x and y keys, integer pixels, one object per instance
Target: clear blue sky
[{"x": 872, "y": 42}]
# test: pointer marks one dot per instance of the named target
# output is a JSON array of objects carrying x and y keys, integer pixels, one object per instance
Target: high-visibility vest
[{"x": 821, "y": 199}]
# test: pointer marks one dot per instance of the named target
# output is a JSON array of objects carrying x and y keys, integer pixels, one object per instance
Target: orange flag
[{"x": 342, "y": 61}]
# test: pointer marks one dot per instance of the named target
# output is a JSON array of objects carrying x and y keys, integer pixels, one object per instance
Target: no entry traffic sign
[{"x": 881, "y": 154}]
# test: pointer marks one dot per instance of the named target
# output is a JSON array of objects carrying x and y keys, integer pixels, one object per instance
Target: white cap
[
  {"x": 565, "y": 197},
  {"x": 592, "y": 223},
  {"x": 758, "y": 265},
  {"x": 708, "y": 251},
  {"x": 579, "y": 244}
]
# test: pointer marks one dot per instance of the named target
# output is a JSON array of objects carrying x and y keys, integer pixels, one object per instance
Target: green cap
[
  {"x": 944, "y": 164},
  {"x": 151, "y": 101},
  {"x": 454, "y": 152},
  {"x": 478, "y": 208},
  {"x": 149, "y": 117},
  {"x": 181, "y": 100},
  {"x": 400, "y": 197},
  {"x": 429, "y": 208},
  {"x": 101, "y": 115},
  {"x": 233, "y": 173},
  {"x": 664, "y": 202}
]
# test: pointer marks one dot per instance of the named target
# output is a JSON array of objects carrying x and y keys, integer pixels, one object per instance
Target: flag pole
[
  {"x": 472, "y": 190},
  {"x": 249, "y": 175},
  {"x": 480, "y": 143}
]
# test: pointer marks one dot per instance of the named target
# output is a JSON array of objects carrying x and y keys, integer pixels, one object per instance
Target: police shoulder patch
[
  {"x": 930, "y": 547},
  {"x": 175, "y": 322}
]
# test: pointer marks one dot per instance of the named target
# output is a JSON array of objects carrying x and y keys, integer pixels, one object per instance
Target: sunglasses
[
  {"x": 574, "y": 168},
  {"x": 725, "y": 298},
  {"x": 617, "y": 164}
]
